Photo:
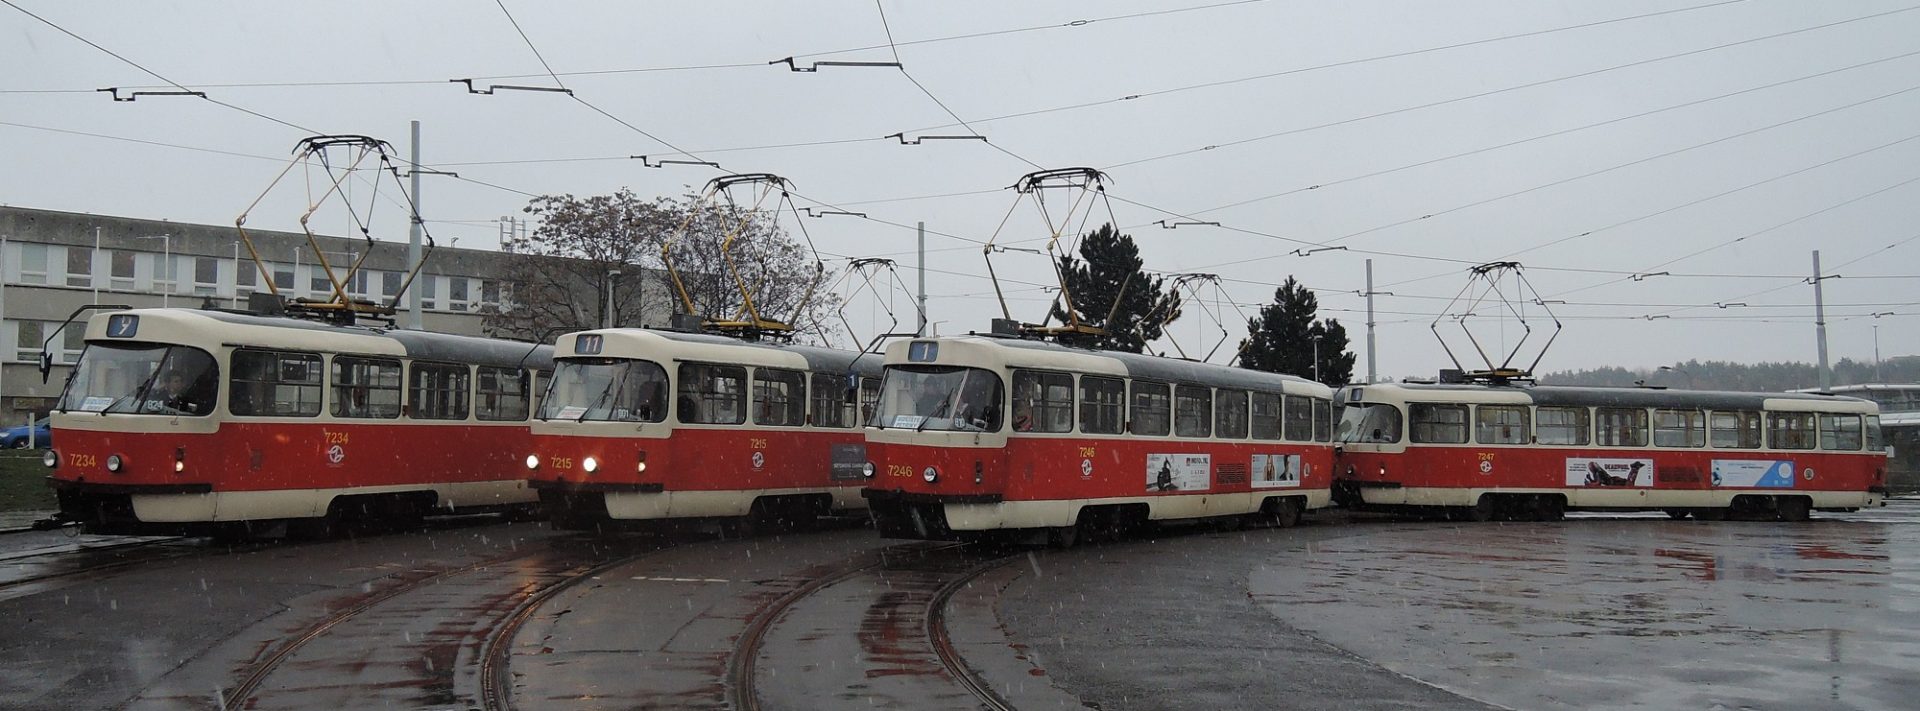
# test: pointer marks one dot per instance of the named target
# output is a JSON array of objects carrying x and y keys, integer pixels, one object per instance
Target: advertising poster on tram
[
  {"x": 1755, "y": 473},
  {"x": 1179, "y": 472},
  {"x": 1618, "y": 473},
  {"x": 1272, "y": 470}
]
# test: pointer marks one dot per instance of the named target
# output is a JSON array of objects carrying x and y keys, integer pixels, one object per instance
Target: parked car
[{"x": 24, "y": 436}]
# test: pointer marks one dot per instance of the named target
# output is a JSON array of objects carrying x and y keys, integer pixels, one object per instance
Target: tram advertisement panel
[
  {"x": 1582, "y": 471},
  {"x": 1271, "y": 470},
  {"x": 1757, "y": 473},
  {"x": 1179, "y": 472}
]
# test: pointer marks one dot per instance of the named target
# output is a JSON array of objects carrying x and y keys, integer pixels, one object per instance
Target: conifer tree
[
  {"x": 1281, "y": 338},
  {"x": 1109, "y": 268}
]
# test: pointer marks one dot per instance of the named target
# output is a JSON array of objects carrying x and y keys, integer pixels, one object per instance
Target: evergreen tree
[
  {"x": 1109, "y": 268},
  {"x": 1281, "y": 338}
]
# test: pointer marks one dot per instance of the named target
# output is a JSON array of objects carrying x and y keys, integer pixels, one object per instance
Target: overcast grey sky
[{"x": 1717, "y": 141}]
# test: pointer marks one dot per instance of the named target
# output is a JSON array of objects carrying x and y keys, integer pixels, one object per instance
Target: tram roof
[
  {"x": 1161, "y": 368},
  {"x": 819, "y": 358},
  {"x": 427, "y": 345},
  {"x": 1596, "y": 396}
]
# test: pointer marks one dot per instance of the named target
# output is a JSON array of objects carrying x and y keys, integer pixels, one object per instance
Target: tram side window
[
  {"x": 869, "y": 398},
  {"x": 1322, "y": 420},
  {"x": 1791, "y": 430},
  {"x": 1679, "y": 428},
  {"x": 712, "y": 394},
  {"x": 365, "y": 387},
  {"x": 1101, "y": 400},
  {"x": 439, "y": 391},
  {"x": 1152, "y": 410},
  {"x": 831, "y": 408},
  {"x": 1230, "y": 414},
  {"x": 275, "y": 384},
  {"x": 1500, "y": 424},
  {"x": 779, "y": 397},
  {"x": 1621, "y": 426},
  {"x": 1298, "y": 418},
  {"x": 1435, "y": 423},
  {"x": 1737, "y": 429},
  {"x": 1840, "y": 432},
  {"x": 502, "y": 394},
  {"x": 1561, "y": 425},
  {"x": 1265, "y": 411},
  {"x": 1873, "y": 433},
  {"x": 1042, "y": 402},
  {"x": 1193, "y": 411}
]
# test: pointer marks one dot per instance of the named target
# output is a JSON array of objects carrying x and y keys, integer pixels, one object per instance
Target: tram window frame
[
  {"x": 1296, "y": 418},
  {"x": 439, "y": 391},
  {"x": 1150, "y": 404},
  {"x": 1322, "y": 420},
  {"x": 1425, "y": 428},
  {"x": 1607, "y": 431},
  {"x": 1230, "y": 414},
  {"x": 1871, "y": 434},
  {"x": 1582, "y": 426},
  {"x": 830, "y": 406},
  {"x": 1792, "y": 430},
  {"x": 271, "y": 384},
  {"x": 779, "y": 397},
  {"x": 1048, "y": 405},
  {"x": 1266, "y": 426},
  {"x": 869, "y": 398},
  {"x": 1831, "y": 437},
  {"x": 1192, "y": 411},
  {"x": 365, "y": 388},
  {"x": 1690, "y": 434},
  {"x": 702, "y": 385},
  {"x": 501, "y": 394},
  {"x": 1743, "y": 425},
  {"x": 1103, "y": 403},
  {"x": 1502, "y": 430}
]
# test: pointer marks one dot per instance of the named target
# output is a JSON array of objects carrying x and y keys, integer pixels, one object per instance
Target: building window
[
  {"x": 366, "y": 387},
  {"x": 489, "y": 293},
  {"x": 1230, "y": 414},
  {"x": 72, "y": 341},
  {"x": 1561, "y": 425},
  {"x": 1679, "y": 428},
  {"x": 1042, "y": 402},
  {"x": 275, "y": 384},
  {"x": 317, "y": 282},
  {"x": 503, "y": 394},
  {"x": 439, "y": 391},
  {"x": 164, "y": 273},
  {"x": 1266, "y": 416},
  {"x": 1791, "y": 430},
  {"x": 1438, "y": 424},
  {"x": 1621, "y": 427},
  {"x": 779, "y": 397},
  {"x": 429, "y": 287},
  {"x": 457, "y": 293},
  {"x": 390, "y": 283},
  {"x": 1734, "y": 430},
  {"x": 121, "y": 270},
  {"x": 33, "y": 263},
  {"x": 27, "y": 338},
  {"x": 1102, "y": 401},
  {"x": 831, "y": 405},
  {"x": 1840, "y": 432},
  {"x": 206, "y": 276},
  {"x": 246, "y": 274},
  {"x": 79, "y": 266},
  {"x": 712, "y": 394},
  {"x": 1299, "y": 418},
  {"x": 1152, "y": 409}
]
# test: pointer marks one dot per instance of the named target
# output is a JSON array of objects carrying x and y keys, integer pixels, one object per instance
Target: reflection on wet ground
[{"x": 1604, "y": 613}]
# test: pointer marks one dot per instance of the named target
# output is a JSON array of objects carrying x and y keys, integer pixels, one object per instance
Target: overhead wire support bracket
[
  {"x": 817, "y": 212},
  {"x": 1304, "y": 252},
  {"x": 664, "y": 162},
  {"x": 491, "y": 88},
  {"x": 795, "y": 66},
  {"x": 1177, "y": 224},
  {"x": 132, "y": 95},
  {"x": 902, "y": 136},
  {"x": 1648, "y": 275}
]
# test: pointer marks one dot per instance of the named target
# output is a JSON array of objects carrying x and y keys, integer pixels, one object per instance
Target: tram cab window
[
  {"x": 1435, "y": 423},
  {"x": 1193, "y": 411},
  {"x": 926, "y": 397},
  {"x": 1042, "y": 401},
  {"x": 1620, "y": 427},
  {"x": 501, "y": 394},
  {"x": 1230, "y": 414},
  {"x": 439, "y": 391},
  {"x": 1791, "y": 430},
  {"x": 712, "y": 394},
  {"x": 831, "y": 407},
  {"x": 1298, "y": 418},
  {"x": 1322, "y": 420},
  {"x": 275, "y": 384},
  {"x": 1368, "y": 422},
  {"x": 1679, "y": 428},
  {"x": 1152, "y": 412},
  {"x": 1264, "y": 410},
  {"x": 605, "y": 389},
  {"x": 1500, "y": 424},
  {"x": 779, "y": 397},
  {"x": 1840, "y": 432},
  {"x": 1734, "y": 429},
  {"x": 365, "y": 387},
  {"x": 1561, "y": 426},
  {"x": 143, "y": 379},
  {"x": 1102, "y": 404}
]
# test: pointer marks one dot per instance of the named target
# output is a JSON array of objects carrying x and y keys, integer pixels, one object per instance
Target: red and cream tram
[
  {"x": 177, "y": 420},
  {"x": 642, "y": 425},
  {"x": 985, "y": 437},
  {"x": 1481, "y": 451}
]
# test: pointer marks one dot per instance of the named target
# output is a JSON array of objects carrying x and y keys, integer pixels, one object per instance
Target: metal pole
[
  {"x": 1316, "y": 359},
  {"x": 922, "y": 329},
  {"x": 3, "y": 309},
  {"x": 94, "y": 265},
  {"x": 1820, "y": 325},
  {"x": 173, "y": 281},
  {"x": 1370, "y": 365},
  {"x": 1878, "y": 377},
  {"x": 608, "y": 320},
  {"x": 414, "y": 317}
]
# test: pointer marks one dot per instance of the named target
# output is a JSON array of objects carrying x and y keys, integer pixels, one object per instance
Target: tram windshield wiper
[{"x": 613, "y": 384}]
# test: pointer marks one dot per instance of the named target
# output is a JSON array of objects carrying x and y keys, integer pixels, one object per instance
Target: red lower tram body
[
  {"x": 1070, "y": 485},
  {"x": 255, "y": 475},
  {"x": 690, "y": 474}
]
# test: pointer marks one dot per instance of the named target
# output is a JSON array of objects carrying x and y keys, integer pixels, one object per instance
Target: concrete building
[{"x": 52, "y": 263}]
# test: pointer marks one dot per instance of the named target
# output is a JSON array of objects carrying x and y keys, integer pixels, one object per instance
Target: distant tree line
[{"x": 1754, "y": 377}]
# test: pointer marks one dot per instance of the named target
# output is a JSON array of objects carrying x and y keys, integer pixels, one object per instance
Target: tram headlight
[
  {"x": 642, "y": 466},
  {"x": 866, "y": 470},
  {"x": 52, "y": 459},
  {"x": 115, "y": 463},
  {"x": 533, "y": 461},
  {"x": 590, "y": 464},
  {"x": 179, "y": 459},
  {"x": 930, "y": 474}
]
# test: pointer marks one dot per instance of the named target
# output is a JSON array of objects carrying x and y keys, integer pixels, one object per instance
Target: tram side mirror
[{"x": 46, "y": 365}]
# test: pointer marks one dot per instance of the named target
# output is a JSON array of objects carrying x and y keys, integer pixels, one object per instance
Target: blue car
[{"x": 17, "y": 436}]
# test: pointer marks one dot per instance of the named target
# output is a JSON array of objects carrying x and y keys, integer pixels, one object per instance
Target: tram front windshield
[
  {"x": 921, "y": 397},
  {"x": 606, "y": 389},
  {"x": 145, "y": 379},
  {"x": 1361, "y": 422}
]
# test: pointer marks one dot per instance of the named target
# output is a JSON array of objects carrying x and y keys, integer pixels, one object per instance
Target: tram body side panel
[{"x": 697, "y": 471}]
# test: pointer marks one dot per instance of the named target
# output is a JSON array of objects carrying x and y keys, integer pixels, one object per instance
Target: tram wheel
[
  {"x": 1063, "y": 536},
  {"x": 1710, "y": 514},
  {"x": 1678, "y": 514},
  {"x": 1548, "y": 507},
  {"x": 1792, "y": 508},
  {"x": 1482, "y": 510},
  {"x": 1286, "y": 513}
]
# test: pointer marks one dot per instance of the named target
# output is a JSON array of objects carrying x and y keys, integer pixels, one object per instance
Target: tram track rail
[
  {"x": 943, "y": 647},
  {"x": 95, "y": 569},
  {"x": 496, "y": 651}
]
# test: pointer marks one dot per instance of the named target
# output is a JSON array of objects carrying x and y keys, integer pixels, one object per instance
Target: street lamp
[
  {"x": 166, "y": 262},
  {"x": 612, "y": 274},
  {"x": 1682, "y": 372},
  {"x": 1877, "y": 376}
]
